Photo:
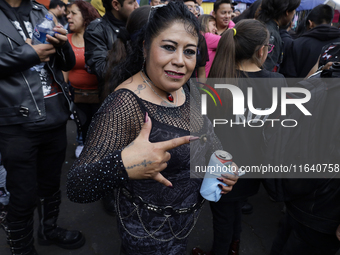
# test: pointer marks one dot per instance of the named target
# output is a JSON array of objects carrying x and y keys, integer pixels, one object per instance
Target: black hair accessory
[{"x": 124, "y": 35}]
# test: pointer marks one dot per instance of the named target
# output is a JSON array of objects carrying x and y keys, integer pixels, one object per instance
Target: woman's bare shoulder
[{"x": 130, "y": 84}]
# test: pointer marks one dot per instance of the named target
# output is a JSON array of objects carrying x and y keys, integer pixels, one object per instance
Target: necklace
[{"x": 169, "y": 96}]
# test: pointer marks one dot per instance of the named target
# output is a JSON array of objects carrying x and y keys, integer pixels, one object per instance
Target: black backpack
[{"x": 313, "y": 142}]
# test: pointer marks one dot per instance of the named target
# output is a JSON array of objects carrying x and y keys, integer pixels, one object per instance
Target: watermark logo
[
  {"x": 238, "y": 100},
  {"x": 246, "y": 113},
  {"x": 204, "y": 96}
]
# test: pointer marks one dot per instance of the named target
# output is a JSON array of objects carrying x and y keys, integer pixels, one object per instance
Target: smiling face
[
  {"x": 223, "y": 16},
  {"x": 75, "y": 19},
  {"x": 171, "y": 58},
  {"x": 212, "y": 27}
]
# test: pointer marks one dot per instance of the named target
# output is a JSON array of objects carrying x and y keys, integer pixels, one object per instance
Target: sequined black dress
[{"x": 99, "y": 170}]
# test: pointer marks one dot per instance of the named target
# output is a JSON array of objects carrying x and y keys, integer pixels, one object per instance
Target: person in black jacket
[
  {"x": 100, "y": 35},
  {"x": 34, "y": 109},
  {"x": 302, "y": 53},
  {"x": 276, "y": 13}
]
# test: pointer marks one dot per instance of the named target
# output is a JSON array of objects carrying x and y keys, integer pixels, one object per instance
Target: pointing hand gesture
[{"x": 145, "y": 160}]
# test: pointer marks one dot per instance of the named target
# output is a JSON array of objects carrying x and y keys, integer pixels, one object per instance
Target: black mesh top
[
  {"x": 117, "y": 123},
  {"x": 99, "y": 169}
]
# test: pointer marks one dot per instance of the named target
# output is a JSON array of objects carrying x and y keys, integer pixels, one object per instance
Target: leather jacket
[
  {"x": 99, "y": 37},
  {"x": 21, "y": 95}
]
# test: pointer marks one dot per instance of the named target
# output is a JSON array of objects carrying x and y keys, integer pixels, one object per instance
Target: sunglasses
[{"x": 270, "y": 47}]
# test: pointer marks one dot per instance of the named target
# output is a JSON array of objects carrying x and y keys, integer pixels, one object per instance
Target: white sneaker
[{"x": 79, "y": 149}]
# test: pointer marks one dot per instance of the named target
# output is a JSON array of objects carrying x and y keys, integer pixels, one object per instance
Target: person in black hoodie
[
  {"x": 34, "y": 109},
  {"x": 302, "y": 53}
]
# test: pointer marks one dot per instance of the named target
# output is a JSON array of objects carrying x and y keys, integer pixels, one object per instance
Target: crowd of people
[{"x": 123, "y": 73}]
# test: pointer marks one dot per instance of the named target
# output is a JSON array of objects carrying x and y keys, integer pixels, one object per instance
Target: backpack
[{"x": 307, "y": 144}]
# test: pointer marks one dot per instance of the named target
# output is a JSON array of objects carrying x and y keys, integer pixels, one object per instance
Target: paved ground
[{"x": 259, "y": 228}]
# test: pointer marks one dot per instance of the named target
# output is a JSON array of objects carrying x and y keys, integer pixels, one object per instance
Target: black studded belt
[{"x": 162, "y": 210}]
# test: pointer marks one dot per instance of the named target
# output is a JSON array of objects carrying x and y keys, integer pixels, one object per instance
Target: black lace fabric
[{"x": 99, "y": 170}]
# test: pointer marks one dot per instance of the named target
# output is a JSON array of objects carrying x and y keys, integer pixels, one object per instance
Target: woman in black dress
[{"x": 144, "y": 128}]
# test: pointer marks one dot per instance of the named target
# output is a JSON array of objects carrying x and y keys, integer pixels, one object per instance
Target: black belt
[{"x": 162, "y": 210}]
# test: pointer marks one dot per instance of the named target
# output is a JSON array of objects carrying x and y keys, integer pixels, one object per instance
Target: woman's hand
[
  {"x": 145, "y": 160},
  {"x": 229, "y": 179},
  {"x": 338, "y": 233}
]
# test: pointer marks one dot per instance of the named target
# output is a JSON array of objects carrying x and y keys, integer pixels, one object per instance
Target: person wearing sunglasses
[{"x": 239, "y": 57}]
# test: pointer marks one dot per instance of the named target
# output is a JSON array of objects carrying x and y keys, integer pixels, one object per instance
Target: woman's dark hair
[
  {"x": 275, "y": 9},
  {"x": 122, "y": 46},
  {"x": 160, "y": 19},
  {"x": 231, "y": 50},
  {"x": 301, "y": 28},
  {"x": 204, "y": 22},
  {"x": 248, "y": 13},
  {"x": 88, "y": 12},
  {"x": 321, "y": 14},
  {"x": 250, "y": 36}
]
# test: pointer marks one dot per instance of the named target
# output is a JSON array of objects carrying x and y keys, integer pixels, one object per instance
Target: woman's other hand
[
  {"x": 229, "y": 179},
  {"x": 145, "y": 160}
]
